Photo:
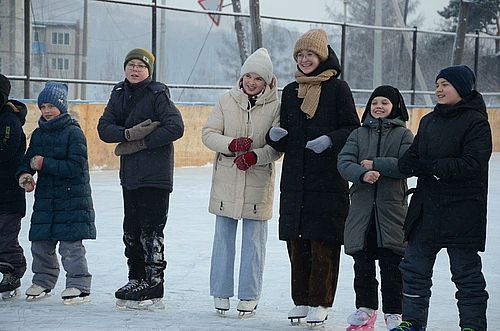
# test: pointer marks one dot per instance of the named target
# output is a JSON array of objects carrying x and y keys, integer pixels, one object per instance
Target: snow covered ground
[{"x": 188, "y": 238}]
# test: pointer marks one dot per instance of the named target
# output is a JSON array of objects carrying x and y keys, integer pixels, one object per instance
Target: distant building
[
  {"x": 12, "y": 39},
  {"x": 56, "y": 49}
]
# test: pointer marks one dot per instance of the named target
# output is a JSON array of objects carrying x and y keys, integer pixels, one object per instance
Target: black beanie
[
  {"x": 4, "y": 89},
  {"x": 393, "y": 94},
  {"x": 461, "y": 77}
]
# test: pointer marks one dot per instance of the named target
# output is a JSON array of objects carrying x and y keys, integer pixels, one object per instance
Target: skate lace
[
  {"x": 140, "y": 287},
  {"x": 405, "y": 326},
  {"x": 130, "y": 285},
  {"x": 8, "y": 279}
]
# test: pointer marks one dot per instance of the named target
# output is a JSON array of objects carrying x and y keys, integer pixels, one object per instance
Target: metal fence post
[
  {"x": 413, "y": 65},
  {"x": 27, "y": 48},
  {"x": 476, "y": 57},
  {"x": 153, "y": 33},
  {"x": 343, "y": 51}
]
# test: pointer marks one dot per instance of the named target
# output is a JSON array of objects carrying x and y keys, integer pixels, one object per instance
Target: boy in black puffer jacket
[
  {"x": 450, "y": 156},
  {"x": 12, "y": 200}
]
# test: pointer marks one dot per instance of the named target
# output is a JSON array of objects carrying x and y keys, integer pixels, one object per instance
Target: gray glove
[
  {"x": 319, "y": 144},
  {"x": 141, "y": 130},
  {"x": 129, "y": 147},
  {"x": 276, "y": 133}
]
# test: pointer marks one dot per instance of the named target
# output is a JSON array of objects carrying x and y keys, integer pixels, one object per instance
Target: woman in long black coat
[
  {"x": 317, "y": 116},
  {"x": 450, "y": 156}
]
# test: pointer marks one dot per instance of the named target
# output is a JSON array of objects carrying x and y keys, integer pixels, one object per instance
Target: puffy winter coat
[
  {"x": 314, "y": 199},
  {"x": 236, "y": 193},
  {"x": 63, "y": 207},
  {"x": 383, "y": 141},
  {"x": 12, "y": 148},
  {"x": 451, "y": 197},
  {"x": 153, "y": 166}
]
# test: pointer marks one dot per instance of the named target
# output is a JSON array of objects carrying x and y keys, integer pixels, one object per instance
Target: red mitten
[
  {"x": 36, "y": 162},
  {"x": 241, "y": 144},
  {"x": 245, "y": 161}
]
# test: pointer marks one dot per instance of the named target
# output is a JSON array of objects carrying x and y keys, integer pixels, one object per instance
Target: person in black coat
[
  {"x": 450, "y": 156},
  {"x": 12, "y": 199},
  {"x": 144, "y": 121},
  {"x": 317, "y": 116}
]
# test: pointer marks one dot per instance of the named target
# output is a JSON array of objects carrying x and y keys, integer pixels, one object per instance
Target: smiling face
[
  {"x": 307, "y": 61},
  {"x": 49, "y": 111},
  {"x": 253, "y": 84},
  {"x": 381, "y": 107},
  {"x": 136, "y": 71},
  {"x": 445, "y": 92}
]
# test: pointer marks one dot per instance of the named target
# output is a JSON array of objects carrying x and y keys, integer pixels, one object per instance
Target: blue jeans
[
  {"x": 253, "y": 253},
  {"x": 465, "y": 266}
]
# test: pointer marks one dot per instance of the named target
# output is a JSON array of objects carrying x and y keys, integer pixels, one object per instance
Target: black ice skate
[
  {"x": 132, "y": 283},
  {"x": 72, "y": 296},
  {"x": 9, "y": 287},
  {"x": 143, "y": 296}
]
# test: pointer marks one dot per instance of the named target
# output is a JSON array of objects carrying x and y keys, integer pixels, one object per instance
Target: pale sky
[{"x": 315, "y": 9}]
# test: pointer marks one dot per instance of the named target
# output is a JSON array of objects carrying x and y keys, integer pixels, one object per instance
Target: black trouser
[
  {"x": 10, "y": 250},
  {"x": 365, "y": 281},
  {"x": 146, "y": 211},
  {"x": 315, "y": 271}
]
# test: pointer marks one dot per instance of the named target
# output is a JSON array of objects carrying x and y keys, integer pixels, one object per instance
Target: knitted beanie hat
[
  {"x": 4, "y": 89},
  {"x": 393, "y": 94},
  {"x": 259, "y": 62},
  {"x": 314, "y": 40},
  {"x": 141, "y": 54},
  {"x": 461, "y": 77},
  {"x": 56, "y": 94}
]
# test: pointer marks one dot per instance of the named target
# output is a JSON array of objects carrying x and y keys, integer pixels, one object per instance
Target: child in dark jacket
[
  {"x": 142, "y": 119},
  {"x": 374, "y": 227},
  {"x": 62, "y": 212},
  {"x": 12, "y": 200},
  {"x": 450, "y": 156}
]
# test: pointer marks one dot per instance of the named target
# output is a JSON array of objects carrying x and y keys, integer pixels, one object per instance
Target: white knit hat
[{"x": 259, "y": 63}]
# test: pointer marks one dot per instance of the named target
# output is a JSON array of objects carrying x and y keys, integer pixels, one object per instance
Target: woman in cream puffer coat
[{"x": 242, "y": 180}]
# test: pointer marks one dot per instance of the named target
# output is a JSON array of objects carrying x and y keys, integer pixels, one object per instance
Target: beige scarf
[{"x": 310, "y": 90}]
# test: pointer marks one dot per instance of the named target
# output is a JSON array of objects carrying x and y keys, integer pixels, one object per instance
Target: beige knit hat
[
  {"x": 314, "y": 40},
  {"x": 259, "y": 62}
]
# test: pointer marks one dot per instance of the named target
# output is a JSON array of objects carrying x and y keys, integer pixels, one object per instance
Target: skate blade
[
  {"x": 10, "y": 294},
  {"x": 245, "y": 314},
  {"x": 32, "y": 298},
  {"x": 151, "y": 304},
  {"x": 76, "y": 300},
  {"x": 360, "y": 328},
  {"x": 221, "y": 312},
  {"x": 315, "y": 324},
  {"x": 294, "y": 321}
]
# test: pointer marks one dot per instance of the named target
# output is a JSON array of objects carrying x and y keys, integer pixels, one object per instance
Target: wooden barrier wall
[{"x": 189, "y": 150}]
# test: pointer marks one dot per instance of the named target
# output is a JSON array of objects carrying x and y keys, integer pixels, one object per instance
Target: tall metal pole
[
  {"x": 153, "y": 33},
  {"x": 27, "y": 47},
  {"x": 413, "y": 65},
  {"x": 161, "y": 55},
  {"x": 476, "y": 57},
  {"x": 255, "y": 24},
  {"x": 342, "y": 52},
  {"x": 83, "y": 90},
  {"x": 377, "y": 46}
]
